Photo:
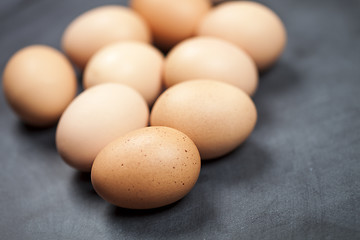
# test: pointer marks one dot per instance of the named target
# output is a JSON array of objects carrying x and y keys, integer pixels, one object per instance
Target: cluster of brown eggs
[{"x": 206, "y": 111}]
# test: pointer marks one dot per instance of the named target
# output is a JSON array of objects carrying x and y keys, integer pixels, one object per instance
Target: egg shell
[
  {"x": 211, "y": 58},
  {"x": 171, "y": 21},
  {"x": 100, "y": 26},
  {"x": 251, "y": 25},
  {"x": 96, "y": 117},
  {"x": 136, "y": 64},
  {"x": 39, "y": 82},
  {"x": 147, "y": 168},
  {"x": 217, "y": 116}
]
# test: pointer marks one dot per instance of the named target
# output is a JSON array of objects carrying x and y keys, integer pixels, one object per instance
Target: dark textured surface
[{"x": 297, "y": 177}]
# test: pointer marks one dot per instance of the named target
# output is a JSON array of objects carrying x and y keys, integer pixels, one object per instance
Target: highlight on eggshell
[
  {"x": 136, "y": 64},
  {"x": 97, "y": 116}
]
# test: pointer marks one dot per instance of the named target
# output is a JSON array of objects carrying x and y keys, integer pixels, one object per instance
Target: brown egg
[
  {"x": 217, "y": 116},
  {"x": 96, "y": 117},
  {"x": 252, "y": 26},
  {"x": 211, "y": 58},
  {"x": 136, "y": 64},
  {"x": 171, "y": 21},
  {"x": 100, "y": 26},
  {"x": 39, "y": 82},
  {"x": 147, "y": 168}
]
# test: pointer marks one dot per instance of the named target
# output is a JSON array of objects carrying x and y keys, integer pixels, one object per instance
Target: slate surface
[{"x": 297, "y": 177}]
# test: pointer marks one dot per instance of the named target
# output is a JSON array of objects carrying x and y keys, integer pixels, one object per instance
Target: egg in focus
[
  {"x": 147, "y": 168},
  {"x": 39, "y": 82},
  {"x": 217, "y": 116}
]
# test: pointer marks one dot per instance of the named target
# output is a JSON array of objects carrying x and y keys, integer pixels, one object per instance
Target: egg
[
  {"x": 136, "y": 64},
  {"x": 39, "y": 82},
  {"x": 96, "y": 117},
  {"x": 251, "y": 25},
  {"x": 211, "y": 58},
  {"x": 171, "y": 21},
  {"x": 217, "y": 116},
  {"x": 147, "y": 168},
  {"x": 99, "y": 27}
]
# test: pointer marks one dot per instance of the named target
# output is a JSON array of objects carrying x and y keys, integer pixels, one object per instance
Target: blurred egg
[
  {"x": 96, "y": 117},
  {"x": 99, "y": 27},
  {"x": 39, "y": 82},
  {"x": 147, "y": 168},
  {"x": 136, "y": 64},
  {"x": 217, "y": 116},
  {"x": 252, "y": 26},
  {"x": 210, "y": 58},
  {"x": 171, "y": 21}
]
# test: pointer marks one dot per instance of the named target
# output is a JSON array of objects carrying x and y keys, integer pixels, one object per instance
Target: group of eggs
[{"x": 206, "y": 111}]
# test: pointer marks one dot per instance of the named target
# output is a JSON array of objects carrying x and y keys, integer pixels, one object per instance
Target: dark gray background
[{"x": 297, "y": 177}]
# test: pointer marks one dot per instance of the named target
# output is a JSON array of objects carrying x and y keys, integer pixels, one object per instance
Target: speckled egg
[{"x": 147, "y": 168}]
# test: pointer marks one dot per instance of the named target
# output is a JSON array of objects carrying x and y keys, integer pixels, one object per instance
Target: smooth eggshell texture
[
  {"x": 252, "y": 26},
  {"x": 211, "y": 58},
  {"x": 171, "y": 21},
  {"x": 136, "y": 64},
  {"x": 217, "y": 116},
  {"x": 147, "y": 168},
  {"x": 100, "y": 26},
  {"x": 96, "y": 117},
  {"x": 39, "y": 82}
]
